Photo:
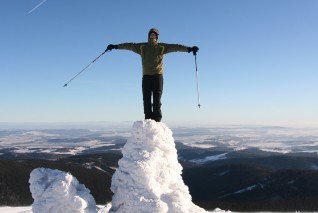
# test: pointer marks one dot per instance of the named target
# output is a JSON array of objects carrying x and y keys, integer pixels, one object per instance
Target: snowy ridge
[{"x": 148, "y": 178}]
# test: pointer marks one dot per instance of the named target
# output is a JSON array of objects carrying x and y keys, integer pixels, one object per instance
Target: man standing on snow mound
[{"x": 151, "y": 53}]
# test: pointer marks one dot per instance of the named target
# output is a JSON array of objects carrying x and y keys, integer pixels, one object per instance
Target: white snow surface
[
  {"x": 21, "y": 209},
  {"x": 209, "y": 158},
  {"x": 56, "y": 191},
  {"x": 148, "y": 178}
]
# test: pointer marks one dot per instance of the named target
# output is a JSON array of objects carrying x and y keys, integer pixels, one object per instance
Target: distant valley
[{"x": 237, "y": 169}]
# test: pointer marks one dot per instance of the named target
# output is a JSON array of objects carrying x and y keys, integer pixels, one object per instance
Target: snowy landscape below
[{"x": 234, "y": 168}]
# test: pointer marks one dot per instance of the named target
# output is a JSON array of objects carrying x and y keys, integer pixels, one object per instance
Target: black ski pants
[{"x": 152, "y": 86}]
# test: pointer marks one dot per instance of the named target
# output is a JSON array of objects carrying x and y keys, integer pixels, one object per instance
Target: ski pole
[
  {"x": 85, "y": 68},
  {"x": 196, "y": 73}
]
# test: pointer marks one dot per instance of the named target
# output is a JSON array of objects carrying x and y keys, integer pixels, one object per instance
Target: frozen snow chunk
[{"x": 56, "y": 191}]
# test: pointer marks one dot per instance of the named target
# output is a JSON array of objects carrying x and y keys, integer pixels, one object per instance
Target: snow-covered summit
[{"x": 148, "y": 178}]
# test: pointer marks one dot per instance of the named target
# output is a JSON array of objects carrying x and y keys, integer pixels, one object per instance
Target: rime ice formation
[
  {"x": 55, "y": 191},
  {"x": 148, "y": 178}
]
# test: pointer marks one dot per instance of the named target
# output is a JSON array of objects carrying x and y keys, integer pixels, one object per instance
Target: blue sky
[{"x": 257, "y": 63}]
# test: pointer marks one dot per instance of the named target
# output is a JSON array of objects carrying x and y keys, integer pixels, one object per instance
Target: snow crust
[
  {"x": 148, "y": 178},
  {"x": 56, "y": 191},
  {"x": 8, "y": 209}
]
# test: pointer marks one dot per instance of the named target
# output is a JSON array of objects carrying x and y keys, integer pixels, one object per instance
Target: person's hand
[
  {"x": 193, "y": 49},
  {"x": 111, "y": 47}
]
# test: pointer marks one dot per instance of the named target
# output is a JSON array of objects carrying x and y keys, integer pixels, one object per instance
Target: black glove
[
  {"x": 193, "y": 49},
  {"x": 111, "y": 46}
]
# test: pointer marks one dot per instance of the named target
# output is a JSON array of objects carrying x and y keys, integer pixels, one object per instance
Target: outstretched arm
[
  {"x": 135, "y": 47},
  {"x": 168, "y": 48}
]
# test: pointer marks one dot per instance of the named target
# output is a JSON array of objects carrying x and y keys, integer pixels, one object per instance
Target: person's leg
[
  {"x": 146, "y": 92},
  {"x": 157, "y": 93}
]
